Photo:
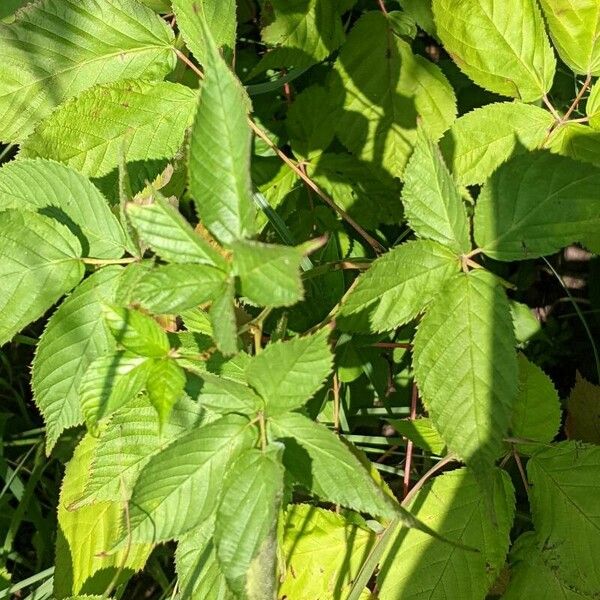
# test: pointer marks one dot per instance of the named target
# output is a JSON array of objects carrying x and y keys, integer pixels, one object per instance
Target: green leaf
[
  {"x": 323, "y": 552},
  {"x": 480, "y": 141},
  {"x": 592, "y": 107},
  {"x": 269, "y": 274},
  {"x": 246, "y": 522},
  {"x": 126, "y": 444},
  {"x": 65, "y": 195},
  {"x": 421, "y": 432},
  {"x": 386, "y": 90},
  {"x": 40, "y": 263},
  {"x": 74, "y": 337},
  {"x": 564, "y": 499},
  {"x": 533, "y": 576},
  {"x": 223, "y": 320},
  {"x": 535, "y": 204},
  {"x": 223, "y": 395},
  {"x": 83, "y": 563},
  {"x": 199, "y": 573},
  {"x": 577, "y": 141},
  {"x": 583, "y": 406},
  {"x": 164, "y": 386},
  {"x": 287, "y": 374},
  {"x": 500, "y": 47},
  {"x": 398, "y": 286},
  {"x": 321, "y": 463},
  {"x": 179, "y": 487},
  {"x": 422, "y": 13},
  {"x": 303, "y": 32},
  {"x": 526, "y": 324},
  {"x": 220, "y": 151},
  {"x": 163, "y": 228},
  {"x": 310, "y": 121},
  {"x": 171, "y": 289},
  {"x": 123, "y": 120},
  {"x": 110, "y": 382},
  {"x": 136, "y": 332},
  {"x": 432, "y": 201},
  {"x": 575, "y": 31},
  {"x": 453, "y": 505},
  {"x": 466, "y": 366},
  {"x": 220, "y": 19},
  {"x": 56, "y": 49},
  {"x": 536, "y": 412}
]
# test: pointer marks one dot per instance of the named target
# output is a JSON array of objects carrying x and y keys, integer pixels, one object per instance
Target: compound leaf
[
  {"x": 64, "y": 194},
  {"x": 535, "y": 204},
  {"x": 41, "y": 261},
  {"x": 398, "y": 286},
  {"x": 220, "y": 151},
  {"x": 480, "y": 141},
  {"x": 74, "y": 337},
  {"x": 287, "y": 374},
  {"x": 455, "y": 508},
  {"x": 503, "y": 48},
  {"x": 178, "y": 488},
  {"x": 386, "y": 90},
  {"x": 133, "y": 120},
  {"x": 466, "y": 366},
  {"x": 76, "y": 44},
  {"x": 433, "y": 204}
]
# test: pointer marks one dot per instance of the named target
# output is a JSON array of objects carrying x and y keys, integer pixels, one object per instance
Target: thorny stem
[
  {"x": 409, "y": 443},
  {"x": 377, "y": 247}
]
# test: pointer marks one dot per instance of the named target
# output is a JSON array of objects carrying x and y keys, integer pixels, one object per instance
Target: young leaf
[
  {"x": 65, "y": 195},
  {"x": 454, "y": 507},
  {"x": 323, "y": 552},
  {"x": 564, "y": 502},
  {"x": 164, "y": 386},
  {"x": 287, "y": 374},
  {"x": 246, "y": 522},
  {"x": 223, "y": 320},
  {"x": 220, "y": 19},
  {"x": 198, "y": 570},
  {"x": 220, "y": 151},
  {"x": 575, "y": 31},
  {"x": 58, "y": 48},
  {"x": 537, "y": 412},
  {"x": 583, "y": 407},
  {"x": 422, "y": 433},
  {"x": 422, "y": 13},
  {"x": 40, "y": 262},
  {"x": 466, "y": 366},
  {"x": 522, "y": 211},
  {"x": 222, "y": 395},
  {"x": 386, "y": 89},
  {"x": 501, "y": 47},
  {"x": 124, "y": 120},
  {"x": 110, "y": 382},
  {"x": 433, "y": 204},
  {"x": 74, "y": 337},
  {"x": 126, "y": 444},
  {"x": 85, "y": 535},
  {"x": 269, "y": 274},
  {"x": 398, "y": 286},
  {"x": 303, "y": 32},
  {"x": 322, "y": 464},
  {"x": 171, "y": 289},
  {"x": 533, "y": 576},
  {"x": 179, "y": 487},
  {"x": 481, "y": 140},
  {"x": 136, "y": 332},
  {"x": 163, "y": 228}
]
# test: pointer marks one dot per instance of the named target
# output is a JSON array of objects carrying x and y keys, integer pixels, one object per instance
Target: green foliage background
[{"x": 295, "y": 282}]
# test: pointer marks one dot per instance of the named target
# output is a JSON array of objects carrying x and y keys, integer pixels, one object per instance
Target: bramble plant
[{"x": 277, "y": 251}]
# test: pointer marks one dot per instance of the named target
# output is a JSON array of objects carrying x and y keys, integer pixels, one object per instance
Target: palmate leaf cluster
[{"x": 186, "y": 215}]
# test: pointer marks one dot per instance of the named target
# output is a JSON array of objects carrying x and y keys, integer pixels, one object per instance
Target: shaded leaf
[
  {"x": 421, "y": 432},
  {"x": 583, "y": 412}
]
